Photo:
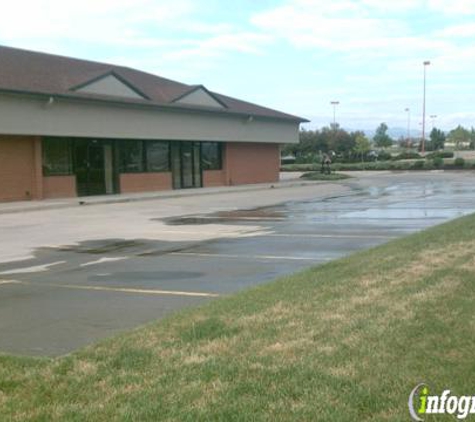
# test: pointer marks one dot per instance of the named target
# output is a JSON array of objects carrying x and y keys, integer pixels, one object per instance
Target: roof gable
[
  {"x": 112, "y": 85},
  {"x": 200, "y": 96}
]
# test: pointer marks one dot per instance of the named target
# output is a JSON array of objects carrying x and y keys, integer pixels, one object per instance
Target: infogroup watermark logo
[{"x": 421, "y": 403}]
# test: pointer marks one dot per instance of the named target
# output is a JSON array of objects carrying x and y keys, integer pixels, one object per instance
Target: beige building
[{"x": 71, "y": 127}]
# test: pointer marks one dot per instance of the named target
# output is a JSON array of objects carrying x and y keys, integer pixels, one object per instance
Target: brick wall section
[
  {"x": 18, "y": 168},
  {"x": 59, "y": 187},
  {"x": 21, "y": 177},
  {"x": 214, "y": 178},
  {"x": 145, "y": 182},
  {"x": 37, "y": 168},
  {"x": 251, "y": 163}
]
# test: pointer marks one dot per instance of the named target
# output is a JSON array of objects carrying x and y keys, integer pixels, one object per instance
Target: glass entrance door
[
  {"x": 93, "y": 166},
  {"x": 186, "y": 164}
]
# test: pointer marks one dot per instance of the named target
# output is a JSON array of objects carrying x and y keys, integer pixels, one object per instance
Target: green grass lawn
[{"x": 346, "y": 341}]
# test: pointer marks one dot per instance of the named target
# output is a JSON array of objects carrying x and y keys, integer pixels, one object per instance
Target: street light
[
  {"x": 433, "y": 117},
  {"x": 408, "y": 111},
  {"x": 334, "y": 104},
  {"x": 426, "y": 63}
]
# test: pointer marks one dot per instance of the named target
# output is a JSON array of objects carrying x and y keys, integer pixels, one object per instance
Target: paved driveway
[{"x": 72, "y": 276}]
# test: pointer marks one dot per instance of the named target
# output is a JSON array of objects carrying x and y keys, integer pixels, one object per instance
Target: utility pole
[
  {"x": 425, "y": 63},
  {"x": 334, "y": 104}
]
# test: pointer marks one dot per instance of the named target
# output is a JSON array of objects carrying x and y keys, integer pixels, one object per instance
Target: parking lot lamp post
[
  {"x": 408, "y": 111},
  {"x": 426, "y": 63},
  {"x": 334, "y": 104}
]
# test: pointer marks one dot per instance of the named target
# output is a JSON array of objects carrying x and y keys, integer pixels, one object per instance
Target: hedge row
[{"x": 436, "y": 163}]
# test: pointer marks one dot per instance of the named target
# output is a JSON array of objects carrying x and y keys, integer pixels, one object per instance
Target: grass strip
[{"x": 316, "y": 175}]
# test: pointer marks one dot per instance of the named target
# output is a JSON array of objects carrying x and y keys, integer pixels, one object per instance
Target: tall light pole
[
  {"x": 408, "y": 111},
  {"x": 426, "y": 63},
  {"x": 334, "y": 104}
]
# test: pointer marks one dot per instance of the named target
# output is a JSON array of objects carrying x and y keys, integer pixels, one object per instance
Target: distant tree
[
  {"x": 406, "y": 142},
  {"x": 362, "y": 146},
  {"x": 312, "y": 143},
  {"x": 460, "y": 137},
  {"x": 437, "y": 139},
  {"x": 340, "y": 141},
  {"x": 381, "y": 138}
]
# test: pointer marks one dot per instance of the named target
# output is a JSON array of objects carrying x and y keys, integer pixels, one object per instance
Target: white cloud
[
  {"x": 175, "y": 29},
  {"x": 338, "y": 26},
  {"x": 115, "y": 22},
  {"x": 392, "y": 5},
  {"x": 465, "y": 30},
  {"x": 357, "y": 34},
  {"x": 453, "y": 7},
  {"x": 244, "y": 42}
]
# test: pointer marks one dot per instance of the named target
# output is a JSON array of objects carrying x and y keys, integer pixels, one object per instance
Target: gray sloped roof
[{"x": 24, "y": 71}]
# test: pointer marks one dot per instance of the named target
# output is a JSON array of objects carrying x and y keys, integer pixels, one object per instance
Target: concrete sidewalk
[{"x": 46, "y": 204}]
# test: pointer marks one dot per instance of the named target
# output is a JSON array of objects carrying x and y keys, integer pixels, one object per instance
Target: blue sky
[{"x": 292, "y": 55}]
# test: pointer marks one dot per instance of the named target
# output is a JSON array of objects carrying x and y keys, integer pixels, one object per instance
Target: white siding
[{"x": 26, "y": 116}]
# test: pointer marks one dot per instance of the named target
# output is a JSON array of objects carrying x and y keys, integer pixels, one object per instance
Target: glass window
[
  {"x": 131, "y": 156},
  {"x": 211, "y": 155},
  {"x": 158, "y": 156},
  {"x": 57, "y": 156}
]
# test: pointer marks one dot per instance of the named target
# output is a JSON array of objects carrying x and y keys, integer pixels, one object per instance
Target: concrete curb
[{"x": 10, "y": 208}]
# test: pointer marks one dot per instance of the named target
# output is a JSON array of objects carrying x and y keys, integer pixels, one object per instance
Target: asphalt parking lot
[{"x": 69, "y": 277}]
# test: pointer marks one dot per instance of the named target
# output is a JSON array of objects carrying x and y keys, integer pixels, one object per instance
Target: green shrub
[
  {"x": 384, "y": 156},
  {"x": 419, "y": 164},
  {"x": 407, "y": 155},
  {"x": 429, "y": 165},
  {"x": 435, "y": 163},
  {"x": 438, "y": 162},
  {"x": 441, "y": 154},
  {"x": 300, "y": 167}
]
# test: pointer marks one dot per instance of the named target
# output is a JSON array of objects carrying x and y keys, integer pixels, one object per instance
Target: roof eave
[{"x": 174, "y": 107}]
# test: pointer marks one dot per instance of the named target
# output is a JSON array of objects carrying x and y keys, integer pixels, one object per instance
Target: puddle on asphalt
[
  {"x": 135, "y": 247},
  {"x": 258, "y": 214},
  {"x": 402, "y": 214},
  {"x": 139, "y": 248},
  {"x": 103, "y": 246}
]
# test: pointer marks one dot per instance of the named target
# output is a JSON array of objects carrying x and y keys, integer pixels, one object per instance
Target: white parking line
[
  {"x": 35, "y": 269},
  {"x": 102, "y": 260},
  {"x": 9, "y": 282},
  {"x": 119, "y": 289},
  {"x": 213, "y": 255}
]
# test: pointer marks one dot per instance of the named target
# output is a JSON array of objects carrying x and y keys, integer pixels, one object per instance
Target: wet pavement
[{"x": 72, "y": 295}]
